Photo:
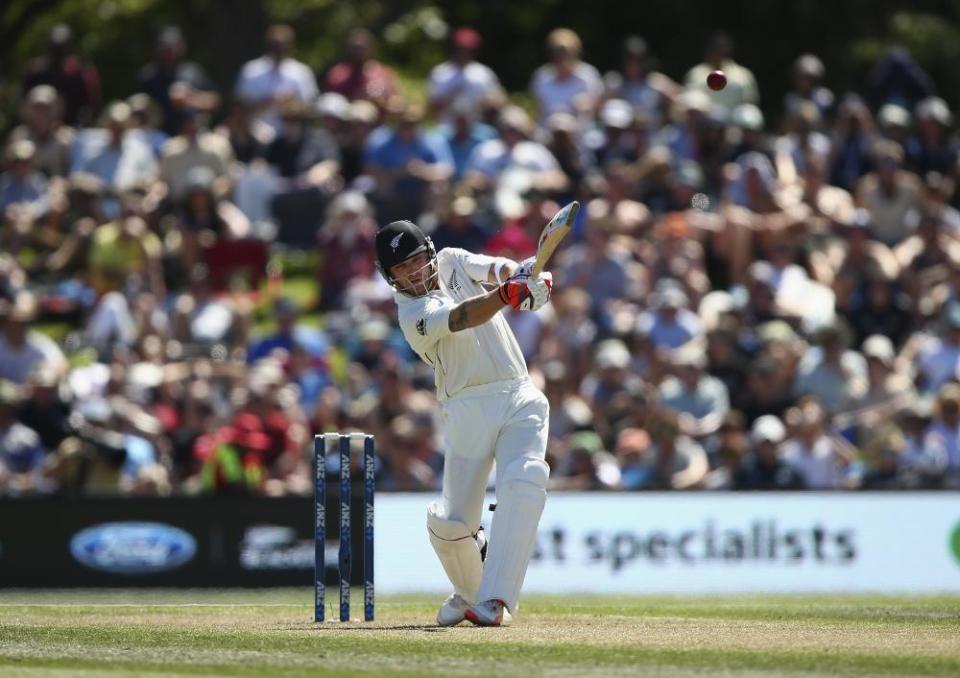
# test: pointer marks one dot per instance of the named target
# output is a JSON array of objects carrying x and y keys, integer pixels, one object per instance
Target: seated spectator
[
  {"x": 766, "y": 391},
  {"x": 46, "y": 407},
  {"x": 565, "y": 144},
  {"x": 818, "y": 458},
  {"x": 171, "y": 66},
  {"x": 808, "y": 74},
  {"x": 248, "y": 137},
  {"x": 77, "y": 83},
  {"x": 802, "y": 142},
  {"x": 765, "y": 469},
  {"x": 852, "y": 148},
  {"x": 681, "y": 463},
  {"x": 670, "y": 323},
  {"x": 728, "y": 451},
  {"x": 932, "y": 149},
  {"x": 887, "y": 386},
  {"x": 897, "y": 76},
  {"x": 718, "y": 55},
  {"x": 268, "y": 82},
  {"x": 645, "y": 91},
  {"x": 888, "y": 194},
  {"x": 924, "y": 458},
  {"x": 360, "y": 76},
  {"x": 938, "y": 356},
  {"x": 701, "y": 400},
  {"x": 345, "y": 245},
  {"x": 408, "y": 165},
  {"x": 120, "y": 159},
  {"x": 53, "y": 141},
  {"x": 623, "y": 135},
  {"x": 22, "y": 457},
  {"x": 23, "y": 350},
  {"x": 513, "y": 150},
  {"x": 125, "y": 247},
  {"x": 458, "y": 227},
  {"x": 610, "y": 374},
  {"x": 833, "y": 375},
  {"x": 302, "y": 151},
  {"x": 463, "y": 133},
  {"x": 289, "y": 333},
  {"x": 461, "y": 78},
  {"x": 946, "y": 430},
  {"x": 636, "y": 458},
  {"x": 193, "y": 147},
  {"x": 565, "y": 84},
  {"x": 145, "y": 122},
  {"x": 360, "y": 123},
  {"x": 587, "y": 465},
  {"x": 23, "y": 190},
  {"x": 203, "y": 219}
]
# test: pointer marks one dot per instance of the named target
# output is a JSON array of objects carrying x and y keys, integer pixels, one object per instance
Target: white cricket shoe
[
  {"x": 452, "y": 611},
  {"x": 489, "y": 613}
]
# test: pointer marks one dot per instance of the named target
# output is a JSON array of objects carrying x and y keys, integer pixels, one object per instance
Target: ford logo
[{"x": 133, "y": 548}]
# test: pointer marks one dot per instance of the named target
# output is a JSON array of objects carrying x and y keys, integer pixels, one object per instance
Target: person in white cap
[
  {"x": 764, "y": 469},
  {"x": 492, "y": 412}
]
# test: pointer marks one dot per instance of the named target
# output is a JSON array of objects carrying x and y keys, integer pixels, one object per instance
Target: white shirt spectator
[
  {"x": 133, "y": 163},
  {"x": 469, "y": 82},
  {"x": 709, "y": 397},
  {"x": 938, "y": 362},
  {"x": 263, "y": 79},
  {"x": 833, "y": 386},
  {"x": 670, "y": 334},
  {"x": 556, "y": 95},
  {"x": 17, "y": 362},
  {"x": 493, "y": 157},
  {"x": 820, "y": 466}
]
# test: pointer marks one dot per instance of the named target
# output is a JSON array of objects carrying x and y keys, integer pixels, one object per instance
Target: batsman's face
[{"x": 415, "y": 275}]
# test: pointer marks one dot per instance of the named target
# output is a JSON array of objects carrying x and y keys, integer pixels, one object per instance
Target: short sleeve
[
  {"x": 477, "y": 266},
  {"x": 425, "y": 322}
]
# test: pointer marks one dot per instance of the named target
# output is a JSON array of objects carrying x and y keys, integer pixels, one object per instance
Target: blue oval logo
[{"x": 133, "y": 548}]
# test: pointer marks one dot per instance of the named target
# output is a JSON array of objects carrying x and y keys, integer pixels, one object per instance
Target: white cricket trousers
[{"x": 501, "y": 422}]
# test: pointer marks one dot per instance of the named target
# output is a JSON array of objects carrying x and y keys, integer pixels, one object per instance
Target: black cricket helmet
[{"x": 398, "y": 241}]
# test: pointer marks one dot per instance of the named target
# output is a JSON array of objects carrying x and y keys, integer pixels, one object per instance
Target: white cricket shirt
[{"x": 472, "y": 357}]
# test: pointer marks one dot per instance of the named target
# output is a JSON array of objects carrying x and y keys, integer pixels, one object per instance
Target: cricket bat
[{"x": 553, "y": 233}]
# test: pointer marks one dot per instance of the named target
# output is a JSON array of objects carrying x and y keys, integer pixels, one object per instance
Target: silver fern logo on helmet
[{"x": 395, "y": 243}]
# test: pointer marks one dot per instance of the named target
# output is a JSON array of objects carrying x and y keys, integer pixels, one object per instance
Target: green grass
[{"x": 253, "y": 633}]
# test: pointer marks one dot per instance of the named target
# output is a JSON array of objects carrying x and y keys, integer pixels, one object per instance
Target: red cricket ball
[{"x": 717, "y": 80}]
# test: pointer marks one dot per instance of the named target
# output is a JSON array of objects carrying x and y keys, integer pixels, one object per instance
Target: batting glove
[{"x": 527, "y": 294}]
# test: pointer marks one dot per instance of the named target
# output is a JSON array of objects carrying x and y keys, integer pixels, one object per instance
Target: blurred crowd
[{"x": 744, "y": 303}]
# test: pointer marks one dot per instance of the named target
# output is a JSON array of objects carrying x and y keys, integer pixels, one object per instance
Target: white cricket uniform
[{"x": 491, "y": 411}]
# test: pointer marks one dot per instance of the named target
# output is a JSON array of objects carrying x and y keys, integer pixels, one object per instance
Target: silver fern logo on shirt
[
  {"x": 454, "y": 284},
  {"x": 422, "y": 327}
]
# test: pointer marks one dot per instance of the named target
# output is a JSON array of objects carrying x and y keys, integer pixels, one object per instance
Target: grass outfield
[{"x": 267, "y": 633}]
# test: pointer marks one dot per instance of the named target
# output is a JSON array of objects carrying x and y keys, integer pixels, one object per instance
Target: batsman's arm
[{"x": 475, "y": 311}]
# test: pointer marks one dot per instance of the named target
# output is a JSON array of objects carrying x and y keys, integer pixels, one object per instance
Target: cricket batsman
[{"x": 491, "y": 411}]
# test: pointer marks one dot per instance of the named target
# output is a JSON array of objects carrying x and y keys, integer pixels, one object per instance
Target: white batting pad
[
  {"x": 458, "y": 551},
  {"x": 520, "y": 502}
]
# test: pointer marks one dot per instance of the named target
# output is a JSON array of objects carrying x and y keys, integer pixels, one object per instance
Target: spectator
[
  {"x": 345, "y": 245},
  {"x": 408, "y": 166},
  {"x": 565, "y": 84},
  {"x": 938, "y": 358},
  {"x": 765, "y": 469},
  {"x": 645, "y": 91},
  {"x": 276, "y": 77},
  {"x": 889, "y": 194},
  {"x": 808, "y": 73},
  {"x": 461, "y": 78},
  {"x": 22, "y": 458},
  {"x": 700, "y": 399},
  {"x": 897, "y": 77},
  {"x": 193, "y": 147},
  {"x": 853, "y": 144},
  {"x": 171, "y": 66},
  {"x": 41, "y": 125},
  {"x": 463, "y": 133},
  {"x": 360, "y": 76},
  {"x": 46, "y": 407},
  {"x": 681, "y": 462},
  {"x": 125, "y": 247},
  {"x": 23, "y": 350},
  {"x": 635, "y": 456},
  {"x": 818, "y": 458},
  {"x": 361, "y": 120},
  {"x": 122, "y": 161},
  {"x": 23, "y": 190},
  {"x": 833, "y": 375},
  {"x": 924, "y": 458},
  {"x": 946, "y": 429},
  {"x": 458, "y": 227},
  {"x": 718, "y": 55},
  {"x": 513, "y": 150},
  {"x": 670, "y": 324},
  {"x": 77, "y": 83}
]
